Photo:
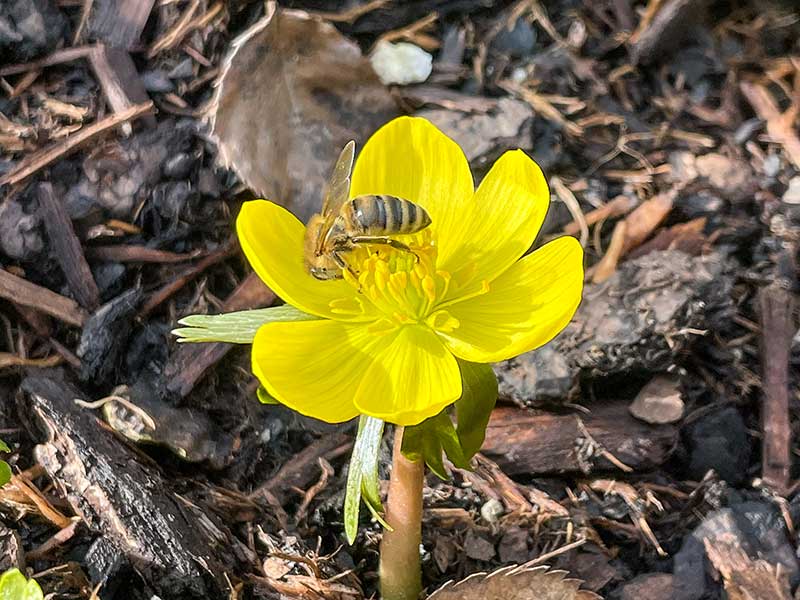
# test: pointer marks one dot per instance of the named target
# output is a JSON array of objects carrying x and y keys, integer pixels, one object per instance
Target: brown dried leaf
[
  {"x": 515, "y": 583},
  {"x": 291, "y": 93}
]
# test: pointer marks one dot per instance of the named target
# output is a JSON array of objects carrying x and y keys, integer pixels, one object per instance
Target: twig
[
  {"x": 780, "y": 126},
  {"x": 20, "y": 291},
  {"x": 49, "y": 155},
  {"x": 777, "y": 307}
]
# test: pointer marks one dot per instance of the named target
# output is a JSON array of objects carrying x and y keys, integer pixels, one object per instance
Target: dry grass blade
[{"x": 515, "y": 583}]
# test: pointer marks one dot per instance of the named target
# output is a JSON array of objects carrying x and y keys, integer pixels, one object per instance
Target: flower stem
[{"x": 400, "y": 570}]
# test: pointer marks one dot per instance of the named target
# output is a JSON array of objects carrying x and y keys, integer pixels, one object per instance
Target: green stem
[{"x": 400, "y": 569}]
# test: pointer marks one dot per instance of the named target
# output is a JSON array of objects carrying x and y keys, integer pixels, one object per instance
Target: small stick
[
  {"x": 776, "y": 306},
  {"x": 49, "y": 155},
  {"x": 67, "y": 248},
  {"x": 20, "y": 291}
]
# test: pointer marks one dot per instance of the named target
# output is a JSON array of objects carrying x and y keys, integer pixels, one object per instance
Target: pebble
[
  {"x": 652, "y": 586},
  {"x": 517, "y": 42},
  {"x": 401, "y": 63},
  {"x": 492, "y": 510},
  {"x": 792, "y": 193},
  {"x": 157, "y": 81},
  {"x": 536, "y": 377},
  {"x": 20, "y": 234},
  {"x": 478, "y": 547},
  {"x": 29, "y": 28},
  {"x": 719, "y": 441},
  {"x": 659, "y": 402},
  {"x": 179, "y": 165}
]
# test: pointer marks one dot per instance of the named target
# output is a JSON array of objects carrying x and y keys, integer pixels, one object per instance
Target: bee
[{"x": 344, "y": 224}]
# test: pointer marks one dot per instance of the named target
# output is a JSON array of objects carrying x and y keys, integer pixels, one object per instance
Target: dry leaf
[
  {"x": 291, "y": 93},
  {"x": 515, "y": 583}
]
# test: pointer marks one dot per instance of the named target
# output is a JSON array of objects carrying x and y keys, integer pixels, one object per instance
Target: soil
[{"x": 647, "y": 450}]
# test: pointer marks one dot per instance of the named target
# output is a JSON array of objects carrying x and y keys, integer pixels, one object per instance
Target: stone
[
  {"x": 518, "y": 41},
  {"x": 719, "y": 441},
  {"x": 402, "y": 63},
  {"x": 513, "y": 546},
  {"x": 478, "y": 547},
  {"x": 29, "y": 28},
  {"x": 792, "y": 193},
  {"x": 659, "y": 401},
  {"x": 536, "y": 377},
  {"x": 650, "y": 586},
  {"x": 20, "y": 234}
]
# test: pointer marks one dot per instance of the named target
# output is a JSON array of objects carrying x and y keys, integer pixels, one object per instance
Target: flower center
[{"x": 404, "y": 285}]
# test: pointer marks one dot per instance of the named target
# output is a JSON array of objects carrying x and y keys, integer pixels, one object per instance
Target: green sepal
[
  {"x": 264, "y": 396},
  {"x": 5, "y": 475},
  {"x": 235, "y": 327},
  {"x": 362, "y": 477},
  {"x": 4, "y": 447},
  {"x": 437, "y": 435},
  {"x": 14, "y": 586}
]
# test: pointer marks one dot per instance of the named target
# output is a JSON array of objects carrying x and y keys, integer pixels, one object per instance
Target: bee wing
[{"x": 338, "y": 189}]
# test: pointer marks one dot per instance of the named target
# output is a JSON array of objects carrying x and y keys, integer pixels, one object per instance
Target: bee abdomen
[{"x": 387, "y": 215}]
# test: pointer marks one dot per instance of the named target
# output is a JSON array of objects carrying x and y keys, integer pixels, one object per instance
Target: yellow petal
[
  {"x": 272, "y": 240},
  {"x": 412, "y": 378},
  {"x": 525, "y": 307},
  {"x": 410, "y": 158},
  {"x": 314, "y": 367},
  {"x": 502, "y": 220}
]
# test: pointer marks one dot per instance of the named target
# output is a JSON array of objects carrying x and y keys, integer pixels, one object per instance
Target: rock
[
  {"x": 478, "y": 547},
  {"x": 104, "y": 338},
  {"x": 179, "y": 165},
  {"x": 513, "y": 546},
  {"x": 594, "y": 569},
  {"x": 701, "y": 204},
  {"x": 792, "y": 193},
  {"x": 719, "y": 441},
  {"x": 492, "y": 510},
  {"x": 485, "y": 135},
  {"x": 401, "y": 63},
  {"x": 650, "y": 586},
  {"x": 29, "y": 28},
  {"x": 20, "y": 234},
  {"x": 518, "y": 41},
  {"x": 157, "y": 81},
  {"x": 732, "y": 177},
  {"x": 536, "y": 377},
  {"x": 659, "y": 401},
  {"x": 755, "y": 526},
  {"x": 109, "y": 277},
  {"x": 12, "y": 555}
]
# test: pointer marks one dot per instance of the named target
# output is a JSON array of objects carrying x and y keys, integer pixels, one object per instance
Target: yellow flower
[{"x": 387, "y": 344}]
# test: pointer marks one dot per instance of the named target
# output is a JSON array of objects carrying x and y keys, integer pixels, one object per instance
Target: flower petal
[
  {"x": 272, "y": 240},
  {"x": 314, "y": 367},
  {"x": 502, "y": 221},
  {"x": 412, "y": 378},
  {"x": 410, "y": 158},
  {"x": 525, "y": 308}
]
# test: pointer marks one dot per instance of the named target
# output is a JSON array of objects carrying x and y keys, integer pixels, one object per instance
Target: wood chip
[
  {"x": 39, "y": 160},
  {"x": 20, "y": 291}
]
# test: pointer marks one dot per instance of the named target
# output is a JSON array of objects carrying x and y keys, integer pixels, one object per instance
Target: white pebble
[{"x": 401, "y": 63}]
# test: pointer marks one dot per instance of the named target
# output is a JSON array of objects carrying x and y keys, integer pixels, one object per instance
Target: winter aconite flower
[{"x": 386, "y": 342}]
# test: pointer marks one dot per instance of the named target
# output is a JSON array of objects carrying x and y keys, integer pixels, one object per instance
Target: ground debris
[{"x": 117, "y": 496}]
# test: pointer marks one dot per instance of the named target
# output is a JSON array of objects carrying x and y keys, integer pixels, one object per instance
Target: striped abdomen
[{"x": 386, "y": 215}]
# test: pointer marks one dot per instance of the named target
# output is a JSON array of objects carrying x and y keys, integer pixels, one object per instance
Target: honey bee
[{"x": 344, "y": 224}]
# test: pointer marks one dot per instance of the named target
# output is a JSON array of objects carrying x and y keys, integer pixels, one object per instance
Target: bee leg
[
  {"x": 383, "y": 240},
  {"x": 342, "y": 264}
]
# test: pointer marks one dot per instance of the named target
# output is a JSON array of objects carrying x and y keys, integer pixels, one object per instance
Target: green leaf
[
  {"x": 264, "y": 396},
  {"x": 4, "y": 447},
  {"x": 478, "y": 397},
  {"x": 436, "y": 435},
  {"x": 362, "y": 477},
  {"x": 235, "y": 327},
  {"x": 5, "y": 473},
  {"x": 14, "y": 586}
]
